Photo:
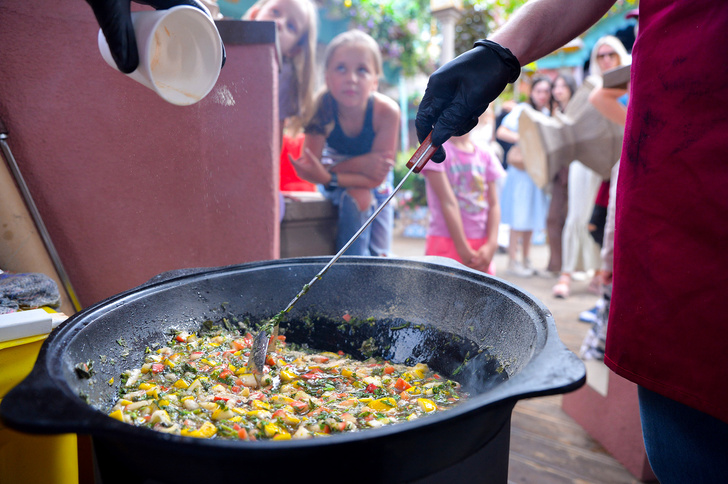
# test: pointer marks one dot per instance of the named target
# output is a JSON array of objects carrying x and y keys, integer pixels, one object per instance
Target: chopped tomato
[
  {"x": 243, "y": 435},
  {"x": 371, "y": 388},
  {"x": 180, "y": 338},
  {"x": 281, "y": 337},
  {"x": 239, "y": 344},
  {"x": 299, "y": 406},
  {"x": 270, "y": 361},
  {"x": 341, "y": 353},
  {"x": 157, "y": 367},
  {"x": 346, "y": 317},
  {"x": 279, "y": 413},
  {"x": 318, "y": 411},
  {"x": 320, "y": 358},
  {"x": 225, "y": 373},
  {"x": 235, "y": 389},
  {"x": 388, "y": 370},
  {"x": 401, "y": 385},
  {"x": 224, "y": 399}
]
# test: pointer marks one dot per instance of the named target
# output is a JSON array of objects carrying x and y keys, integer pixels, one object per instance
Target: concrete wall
[{"x": 128, "y": 185}]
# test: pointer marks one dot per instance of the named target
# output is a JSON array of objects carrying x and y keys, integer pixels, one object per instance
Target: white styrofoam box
[{"x": 22, "y": 324}]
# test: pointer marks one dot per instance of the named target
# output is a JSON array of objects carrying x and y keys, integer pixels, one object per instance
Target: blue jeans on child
[
  {"x": 380, "y": 243},
  {"x": 376, "y": 239},
  {"x": 683, "y": 444}
]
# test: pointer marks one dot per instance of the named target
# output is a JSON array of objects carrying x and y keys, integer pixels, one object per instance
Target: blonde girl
[
  {"x": 297, "y": 26},
  {"x": 351, "y": 141},
  {"x": 579, "y": 250}
]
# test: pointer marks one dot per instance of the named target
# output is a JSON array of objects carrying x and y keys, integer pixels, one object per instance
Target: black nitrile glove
[
  {"x": 114, "y": 17},
  {"x": 461, "y": 90}
]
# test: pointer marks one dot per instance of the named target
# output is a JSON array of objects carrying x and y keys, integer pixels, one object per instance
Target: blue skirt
[{"x": 524, "y": 206}]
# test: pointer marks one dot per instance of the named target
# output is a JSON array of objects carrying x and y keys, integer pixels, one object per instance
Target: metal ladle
[{"x": 259, "y": 351}]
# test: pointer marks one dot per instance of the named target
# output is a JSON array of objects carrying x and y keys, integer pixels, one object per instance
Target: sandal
[{"x": 561, "y": 289}]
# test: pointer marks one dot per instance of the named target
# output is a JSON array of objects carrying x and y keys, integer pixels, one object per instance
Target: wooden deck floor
[{"x": 547, "y": 445}]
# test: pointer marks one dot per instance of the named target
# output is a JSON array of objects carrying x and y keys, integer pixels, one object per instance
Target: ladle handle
[{"x": 422, "y": 155}]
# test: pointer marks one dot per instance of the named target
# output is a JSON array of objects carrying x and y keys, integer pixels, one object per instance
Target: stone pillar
[{"x": 447, "y": 13}]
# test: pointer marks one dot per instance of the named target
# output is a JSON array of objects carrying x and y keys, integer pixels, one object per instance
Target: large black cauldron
[{"x": 505, "y": 337}]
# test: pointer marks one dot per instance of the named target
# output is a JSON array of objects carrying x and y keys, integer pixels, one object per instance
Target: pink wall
[
  {"x": 614, "y": 421},
  {"x": 128, "y": 185}
]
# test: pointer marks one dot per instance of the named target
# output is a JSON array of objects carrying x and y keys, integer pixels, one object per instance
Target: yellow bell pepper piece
[
  {"x": 426, "y": 405},
  {"x": 205, "y": 432},
  {"x": 347, "y": 373},
  {"x": 272, "y": 428},
  {"x": 117, "y": 415},
  {"x": 383, "y": 404},
  {"x": 420, "y": 369},
  {"x": 281, "y": 399},
  {"x": 181, "y": 384},
  {"x": 287, "y": 375},
  {"x": 260, "y": 405},
  {"x": 146, "y": 386},
  {"x": 282, "y": 436}
]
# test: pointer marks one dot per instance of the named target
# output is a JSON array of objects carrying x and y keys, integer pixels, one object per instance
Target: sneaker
[
  {"x": 515, "y": 268},
  {"x": 588, "y": 316}
]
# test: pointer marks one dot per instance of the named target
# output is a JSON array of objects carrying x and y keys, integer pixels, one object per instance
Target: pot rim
[{"x": 23, "y": 409}]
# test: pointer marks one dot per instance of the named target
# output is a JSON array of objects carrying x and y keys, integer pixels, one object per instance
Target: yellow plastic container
[{"x": 26, "y": 458}]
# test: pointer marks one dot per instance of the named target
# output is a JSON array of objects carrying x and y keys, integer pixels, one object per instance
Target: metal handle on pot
[{"x": 38, "y": 405}]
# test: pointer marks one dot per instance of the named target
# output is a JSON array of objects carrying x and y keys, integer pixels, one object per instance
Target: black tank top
[{"x": 358, "y": 145}]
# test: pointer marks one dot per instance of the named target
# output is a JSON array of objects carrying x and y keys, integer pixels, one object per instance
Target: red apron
[{"x": 668, "y": 324}]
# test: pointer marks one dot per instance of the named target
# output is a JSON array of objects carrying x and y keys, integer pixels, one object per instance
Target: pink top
[
  {"x": 668, "y": 321},
  {"x": 468, "y": 174}
]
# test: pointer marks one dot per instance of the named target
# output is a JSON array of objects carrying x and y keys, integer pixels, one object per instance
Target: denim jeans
[
  {"x": 376, "y": 239},
  {"x": 380, "y": 243},
  {"x": 684, "y": 445}
]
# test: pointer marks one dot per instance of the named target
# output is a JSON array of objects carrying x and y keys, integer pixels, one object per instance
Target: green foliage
[
  {"x": 415, "y": 183},
  {"x": 400, "y": 27},
  {"x": 404, "y": 29}
]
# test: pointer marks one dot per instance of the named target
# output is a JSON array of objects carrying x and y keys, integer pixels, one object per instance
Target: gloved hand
[
  {"x": 114, "y": 17},
  {"x": 460, "y": 91}
]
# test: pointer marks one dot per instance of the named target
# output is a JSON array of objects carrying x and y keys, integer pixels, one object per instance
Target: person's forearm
[
  {"x": 355, "y": 164},
  {"x": 361, "y": 165},
  {"x": 491, "y": 228},
  {"x": 542, "y": 26},
  {"x": 606, "y": 101},
  {"x": 357, "y": 180},
  {"x": 505, "y": 134},
  {"x": 454, "y": 223}
]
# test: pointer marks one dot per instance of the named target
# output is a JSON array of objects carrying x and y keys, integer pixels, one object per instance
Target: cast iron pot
[{"x": 497, "y": 340}]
